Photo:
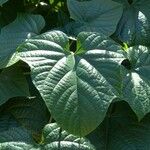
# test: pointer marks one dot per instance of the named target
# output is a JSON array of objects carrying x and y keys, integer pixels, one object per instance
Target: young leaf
[
  {"x": 95, "y": 15},
  {"x": 77, "y": 87},
  {"x": 23, "y": 28}
]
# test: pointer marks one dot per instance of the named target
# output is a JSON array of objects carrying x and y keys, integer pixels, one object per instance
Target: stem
[{"x": 50, "y": 119}]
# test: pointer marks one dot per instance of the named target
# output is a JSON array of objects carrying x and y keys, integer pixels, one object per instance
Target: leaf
[
  {"x": 77, "y": 87},
  {"x": 136, "y": 82},
  {"x": 122, "y": 131},
  {"x": 12, "y": 83},
  {"x": 12, "y": 35},
  {"x": 7, "y": 121},
  {"x": 12, "y": 136},
  {"x": 55, "y": 139},
  {"x": 95, "y": 16},
  {"x": 2, "y": 2},
  {"x": 134, "y": 26},
  {"x": 17, "y": 146},
  {"x": 31, "y": 113}
]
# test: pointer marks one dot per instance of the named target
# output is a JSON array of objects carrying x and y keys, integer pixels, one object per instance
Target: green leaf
[
  {"x": 12, "y": 35},
  {"x": 11, "y": 131},
  {"x": 122, "y": 131},
  {"x": 7, "y": 121},
  {"x": 95, "y": 16},
  {"x": 17, "y": 146},
  {"x": 77, "y": 87},
  {"x": 12, "y": 84},
  {"x": 31, "y": 113},
  {"x": 55, "y": 139},
  {"x": 136, "y": 82},
  {"x": 12, "y": 136},
  {"x": 2, "y": 2},
  {"x": 15, "y": 134},
  {"x": 134, "y": 26}
]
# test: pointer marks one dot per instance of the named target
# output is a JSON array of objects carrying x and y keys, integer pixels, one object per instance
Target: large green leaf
[
  {"x": 2, "y": 2},
  {"x": 136, "y": 82},
  {"x": 12, "y": 84},
  {"x": 77, "y": 87},
  {"x": 121, "y": 131},
  {"x": 23, "y": 28},
  {"x": 95, "y": 15},
  {"x": 134, "y": 26}
]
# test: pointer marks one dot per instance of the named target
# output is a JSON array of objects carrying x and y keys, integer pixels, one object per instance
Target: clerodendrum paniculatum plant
[{"x": 74, "y": 75}]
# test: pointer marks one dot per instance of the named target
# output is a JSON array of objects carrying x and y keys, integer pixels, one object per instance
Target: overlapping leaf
[
  {"x": 14, "y": 137},
  {"x": 122, "y": 131},
  {"x": 23, "y": 28},
  {"x": 77, "y": 87},
  {"x": 12, "y": 84},
  {"x": 134, "y": 26},
  {"x": 31, "y": 112},
  {"x": 56, "y": 139},
  {"x": 136, "y": 82},
  {"x": 95, "y": 15}
]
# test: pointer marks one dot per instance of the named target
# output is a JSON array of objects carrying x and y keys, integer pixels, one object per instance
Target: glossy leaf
[
  {"x": 23, "y": 28},
  {"x": 95, "y": 15},
  {"x": 75, "y": 86}
]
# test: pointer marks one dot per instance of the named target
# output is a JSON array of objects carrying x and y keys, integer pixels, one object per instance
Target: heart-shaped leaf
[{"x": 77, "y": 87}]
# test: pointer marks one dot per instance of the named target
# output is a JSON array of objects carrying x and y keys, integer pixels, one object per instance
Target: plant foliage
[{"x": 74, "y": 74}]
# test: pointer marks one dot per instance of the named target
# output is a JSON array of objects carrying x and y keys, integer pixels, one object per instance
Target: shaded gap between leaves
[
  {"x": 72, "y": 45},
  {"x": 127, "y": 64},
  {"x": 111, "y": 110}
]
